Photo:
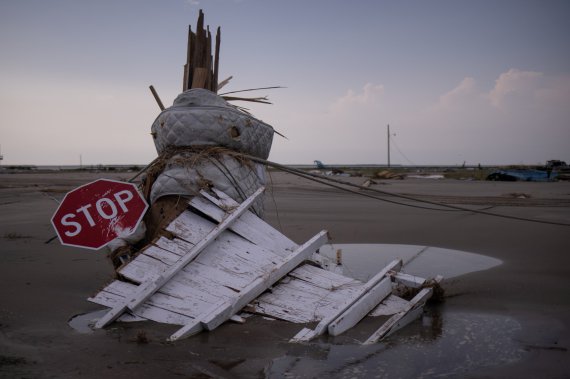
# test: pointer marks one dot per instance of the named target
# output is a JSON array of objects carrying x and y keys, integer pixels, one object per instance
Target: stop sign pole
[{"x": 96, "y": 213}]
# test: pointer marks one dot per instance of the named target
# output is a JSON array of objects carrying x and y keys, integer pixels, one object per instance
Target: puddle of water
[
  {"x": 440, "y": 345},
  {"x": 83, "y": 322},
  {"x": 362, "y": 261}
]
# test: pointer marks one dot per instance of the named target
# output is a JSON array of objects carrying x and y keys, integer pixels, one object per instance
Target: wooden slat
[
  {"x": 409, "y": 280},
  {"x": 361, "y": 307},
  {"x": 225, "y": 311},
  {"x": 323, "y": 278},
  {"x": 389, "y": 306},
  {"x": 301, "y": 301},
  {"x": 216, "y": 61},
  {"x": 248, "y": 226},
  {"x": 116, "y": 292},
  {"x": 236, "y": 257},
  {"x": 190, "y": 227},
  {"x": 404, "y": 317},
  {"x": 147, "y": 289},
  {"x": 308, "y": 334},
  {"x": 175, "y": 246}
]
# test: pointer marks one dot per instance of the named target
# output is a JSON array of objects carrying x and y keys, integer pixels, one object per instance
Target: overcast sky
[{"x": 458, "y": 81}]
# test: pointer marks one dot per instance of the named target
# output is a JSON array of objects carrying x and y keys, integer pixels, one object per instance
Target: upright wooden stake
[{"x": 216, "y": 61}]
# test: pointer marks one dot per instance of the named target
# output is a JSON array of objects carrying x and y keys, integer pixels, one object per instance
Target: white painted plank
[
  {"x": 165, "y": 256},
  {"x": 248, "y": 226},
  {"x": 190, "y": 227},
  {"x": 225, "y": 311},
  {"x": 409, "y": 317},
  {"x": 175, "y": 246},
  {"x": 236, "y": 255},
  {"x": 148, "y": 288},
  {"x": 145, "y": 311},
  {"x": 396, "y": 320},
  {"x": 391, "y": 305},
  {"x": 305, "y": 335},
  {"x": 232, "y": 260},
  {"x": 361, "y": 307},
  {"x": 158, "y": 300},
  {"x": 298, "y": 301},
  {"x": 138, "y": 270},
  {"x": 408, "y": 280},
  {"x": 194, "y": 281},
  {"x": 323, "y": 278},
  {"x": 261, "y": 284}
]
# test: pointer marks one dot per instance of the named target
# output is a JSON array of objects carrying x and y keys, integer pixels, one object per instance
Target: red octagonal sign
[{"x": 96, "y": 213}]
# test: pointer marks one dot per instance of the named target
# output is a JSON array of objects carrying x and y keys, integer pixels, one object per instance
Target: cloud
[
  {"x": 370, "y": 95},
  {"x": 465, "y": 90},
  {"x": 515, "y": 83}
]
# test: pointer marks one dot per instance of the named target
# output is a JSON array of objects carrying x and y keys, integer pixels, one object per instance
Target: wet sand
[{"x": 512, "y": 320}]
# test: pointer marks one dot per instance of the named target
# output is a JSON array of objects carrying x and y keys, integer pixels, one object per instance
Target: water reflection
[
  {"x": 441, "y": 344},
  {"x": 362, "y": 261},
  {"x": 83, "y": 323}
]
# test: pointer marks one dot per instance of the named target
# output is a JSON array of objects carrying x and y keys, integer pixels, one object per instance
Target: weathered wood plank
[
  {"x": 361, "y": 307},
  {"x": 409, "y": 280},
  {"x": 323, "y": 278},
  {"x": 300, "y": 301},
  {"x": 148, "y": 288},
  {"x": 194, "y": 281},
  {"x": 263, "y": 282},
  {"x": 396, "y": 321},
  {"x": 229, "y": 308},
  {"x": 175, "y": 246},
  {"x": 389, "y": 306},
  {"x": 116, "y": 294},
  {"x": 190, "y": 227},
  {"x": 307, "y": 335},
  {"x": 248, "y": 226}
]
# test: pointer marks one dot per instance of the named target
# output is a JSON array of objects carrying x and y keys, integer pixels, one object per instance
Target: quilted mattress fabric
[
  {"x": 236, "y": 179},
  {"x": 199, "y": 117}
]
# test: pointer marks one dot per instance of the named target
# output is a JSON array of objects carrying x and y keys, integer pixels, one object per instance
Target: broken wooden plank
[
  {"x": 248, "y": 226},
  {"x": 148, "y": 288},
  {"x": 361, "y": 307},
  {"x": 408, "y": 280},
  {"x": 190, "y": 227},
  {"x": 229, "y": 308},
  {"x": 389, "y": 306},
  {"x": 307, "y": 334},
  {"x": 300, "y": 301},
  {"x": 322, "y": 278},
  {"x": 410, "y": 312},
  {"x": 116, "y": 292}
]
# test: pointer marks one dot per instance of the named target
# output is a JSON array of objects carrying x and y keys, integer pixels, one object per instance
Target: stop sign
[{"x": 96, "y": 213}]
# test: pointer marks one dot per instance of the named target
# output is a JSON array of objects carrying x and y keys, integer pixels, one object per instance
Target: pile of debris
[
  {"x": 385, "y": 174},
  {"x": 204, "y": 255}
]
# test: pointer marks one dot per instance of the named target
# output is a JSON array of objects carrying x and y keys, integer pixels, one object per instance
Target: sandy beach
[{"x": 520, "y": 308}]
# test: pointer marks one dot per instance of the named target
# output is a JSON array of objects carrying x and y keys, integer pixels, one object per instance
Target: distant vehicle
[
  {"x": 523, "y": 175},
  {"x": 555, "y": 163},
  {"x": 334, "y": 170},
  {"x": 320, "y": 165}
]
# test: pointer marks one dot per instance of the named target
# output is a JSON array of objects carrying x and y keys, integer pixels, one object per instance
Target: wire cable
[{"x": 322, "y": 179}]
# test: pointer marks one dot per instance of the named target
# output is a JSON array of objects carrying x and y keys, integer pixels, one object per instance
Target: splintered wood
[
  {"x": 219, "y": 258},
  {"x": 201, "y": 68}
]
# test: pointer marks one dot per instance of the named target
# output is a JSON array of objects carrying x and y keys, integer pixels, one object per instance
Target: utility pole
[{"x": 388, "y": 139}]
